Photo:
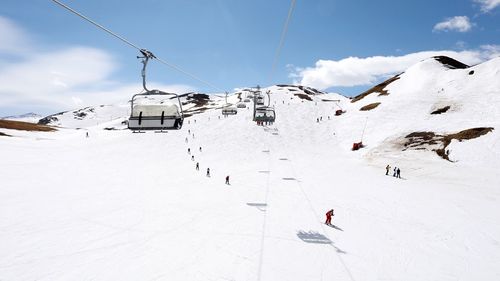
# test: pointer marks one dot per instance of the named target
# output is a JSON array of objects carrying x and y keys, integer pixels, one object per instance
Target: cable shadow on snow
[
  {"x": 317, "y": 238},
  {"x": 259, "y": 206}
]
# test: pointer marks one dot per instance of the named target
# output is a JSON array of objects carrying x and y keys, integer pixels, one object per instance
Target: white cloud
[
  {"x": 488, "y": 5},
  {"x": 354, "y": 71},
  {"x": 458, "y": 23},
  {"x": 61, "y": 79},
  {"x": 13, "y": 39}
]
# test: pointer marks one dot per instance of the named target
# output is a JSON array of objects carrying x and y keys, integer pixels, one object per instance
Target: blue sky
[{"x": 51, "y": 60}]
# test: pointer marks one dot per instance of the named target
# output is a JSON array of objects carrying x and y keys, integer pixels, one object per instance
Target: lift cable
[
  {"x": 282, "y": 39},
  {"x": 142, "y": 50}
]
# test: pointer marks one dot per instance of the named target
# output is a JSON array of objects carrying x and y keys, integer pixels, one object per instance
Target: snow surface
[{"x": 124, "y": 206}]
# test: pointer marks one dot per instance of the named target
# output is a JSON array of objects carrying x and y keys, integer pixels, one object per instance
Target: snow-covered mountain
[
  {"x": 27, "y": 117},
  {"x": 122, "y": 206}
]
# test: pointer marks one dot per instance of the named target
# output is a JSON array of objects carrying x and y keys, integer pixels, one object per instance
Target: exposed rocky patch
[
  {"x": 441, "y": 110},
  {"x": 438, "y": 143},
  {"x": 370, "y": 106},
  {"x": 451, "y": 63},
  {"x": 82, "y": 113},
  {"x": 380, "y": 88},
  {"x": 303, "y": 96},
  {"x": 50, "y": 119},
  {"x": 198, "y": 99}
]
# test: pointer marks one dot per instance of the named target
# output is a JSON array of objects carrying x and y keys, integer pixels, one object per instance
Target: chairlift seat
[{"x": 157, "y": 116}]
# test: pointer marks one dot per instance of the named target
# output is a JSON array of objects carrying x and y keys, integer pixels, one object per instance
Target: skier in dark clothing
[
  {"x": 227, "y": 179},
  {"x": 208, "y": 172},
  {"x": 197, "y": 166},
  {"x": 200, "y": 148},
  {"x": 398, "y": 173},
  {"x": 395, "y": 171},
  {"x": 87, "y": 134},
  {"x": 329, "y": 215},
  {"x": 192, "y": 157},
  {"x": 387, "y": 169},
  {"x": 189, "y": 150}
]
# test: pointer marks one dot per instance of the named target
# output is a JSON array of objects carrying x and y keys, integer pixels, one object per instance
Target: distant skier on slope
[
  {"x": 387, "y": 169},
  {"x": 227, "y": 180},
  {"x": 395, "y": 171},
  {"x": 189, "y": 150},
  {"x": 329, "y": 215},
  {"x": 398, "y": 173},
  {"x": 208, "y": 172},
  {"x": 200, "y": 148},
  {"x": 192, "y": 157},
  {"x": 197, "y": 166}
]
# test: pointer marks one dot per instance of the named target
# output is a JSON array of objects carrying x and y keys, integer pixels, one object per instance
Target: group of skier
[
  {"x": 197, "y": 167},
  {"x": 397, "y": 171}
]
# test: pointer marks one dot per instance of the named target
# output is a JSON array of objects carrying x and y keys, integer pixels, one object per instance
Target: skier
[
  {"x": 395, "y": 171},
  {"x": 398, "y": 173},
  {"x": 186, "y": 139},
  {"x": 317, "y": 120},
  {"x": 321, "y": 118},
  {"x": 192, "y": 157},
  {"x": 189, "y": 150},
  {"x": 329, "y": 215},
  {"x": 197, "y": 166},
  {"x": 227, "y": 180},
  {"x": 189, "y": 132},
  {"x": 87, "y": 134},
  {"x": 387, "y": 168},
  {"x": 208, "y": 172},
  {"x": 200, "y": 148}
]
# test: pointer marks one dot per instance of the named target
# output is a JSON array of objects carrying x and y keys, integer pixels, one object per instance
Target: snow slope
[{"x": 123, "y": 206}]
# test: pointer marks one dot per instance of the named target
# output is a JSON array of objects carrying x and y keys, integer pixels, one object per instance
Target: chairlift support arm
[{"x": 146, "y": 55}]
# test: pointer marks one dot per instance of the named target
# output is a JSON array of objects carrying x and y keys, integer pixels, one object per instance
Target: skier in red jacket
[{"x": 329, "y": 215}]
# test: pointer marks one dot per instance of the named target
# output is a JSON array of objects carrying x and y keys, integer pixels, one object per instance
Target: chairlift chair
[
  {"x": 241, "y": 105},
  {"x": 154, "y": 114},
  {"x": 265, "y": 114},
  {"x": 229, "y": 110},
  {"x": 157, "y": 116}
]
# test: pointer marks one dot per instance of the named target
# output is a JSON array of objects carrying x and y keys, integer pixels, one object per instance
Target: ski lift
[
  {"x": 260, "y": 100},
  {"x": 265, "y": 114},
  {"x": 241, "y": 105},
  {"x": 246, "y": 100},
  {"x": 228, "y": 109},
  {"x": 149, "y": 111},
  {"x": 339, "y": 111},
  {"x": 358, "y": 145}
]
